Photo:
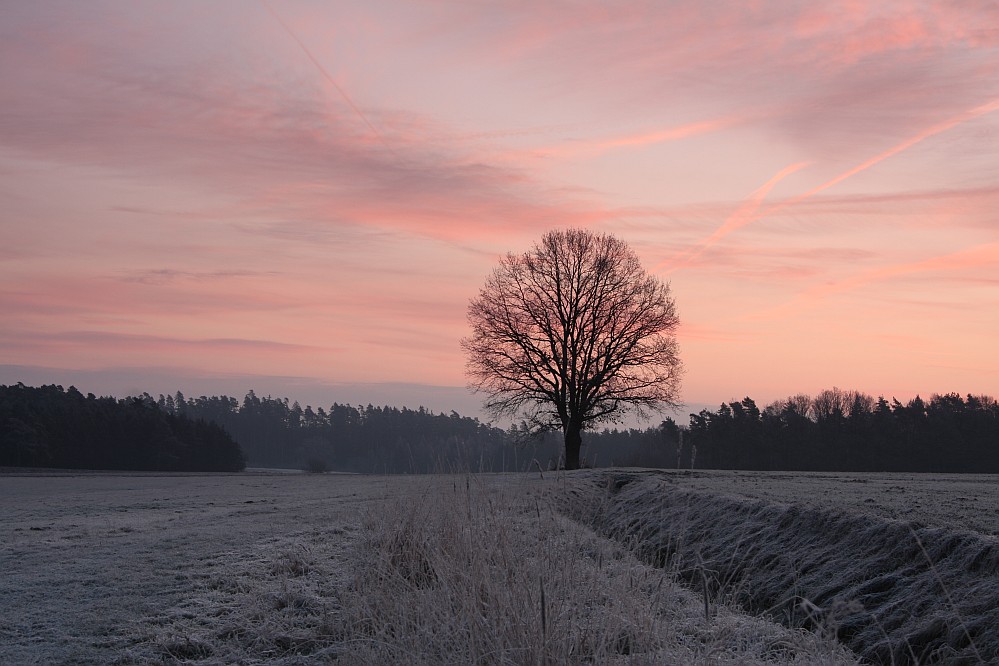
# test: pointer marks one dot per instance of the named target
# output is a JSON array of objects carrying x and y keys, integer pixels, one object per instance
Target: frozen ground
[
  {"x": 293, "y": 569},
  {"x": 268, "y": 567},
  {"x": 956, "y": 501},
  {"x": 903, "y": 568},
  {"x": 97, "y": 566}
]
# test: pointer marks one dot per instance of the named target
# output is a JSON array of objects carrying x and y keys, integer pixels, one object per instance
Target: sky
[{"x": 301, "y": 198}]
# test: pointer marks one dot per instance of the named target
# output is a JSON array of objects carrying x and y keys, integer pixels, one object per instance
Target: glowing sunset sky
[{"x": 301, "y": 197}]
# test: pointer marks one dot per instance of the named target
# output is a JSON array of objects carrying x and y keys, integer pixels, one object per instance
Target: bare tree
[
  {"x": 571, "y": 334},
  {"x": 830, "y": 403}
]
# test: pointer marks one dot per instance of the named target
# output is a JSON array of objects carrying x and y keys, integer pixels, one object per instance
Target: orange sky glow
[{"x": 301, "y": 197}]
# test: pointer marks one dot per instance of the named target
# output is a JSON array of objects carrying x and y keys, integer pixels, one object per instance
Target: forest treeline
[
  {"x": 48, "y": 426},
  {"x": 843, "y": 431},
  {"x": 275, "y": 432},
  {"x": 832, "y": 431},
  {"x": 52, "y": 427}
]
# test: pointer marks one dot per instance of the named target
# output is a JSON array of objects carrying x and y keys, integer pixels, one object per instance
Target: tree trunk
[{"x": 573, "y": 442}]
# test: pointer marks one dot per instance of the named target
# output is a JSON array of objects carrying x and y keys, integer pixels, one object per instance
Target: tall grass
[
  {"x": 895, "y": 592},
  {"x": 476, "y": 573},
  {"x": 459, "y": 569}
]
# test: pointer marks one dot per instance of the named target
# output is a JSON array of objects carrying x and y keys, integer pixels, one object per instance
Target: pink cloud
[
  {"x": 749, "y": 211},
  {"x": 813, "y": 61},
  {"x": 69, "y": 293},
  {"x": 266, "y": 148},
  {"x": 436, "y": 189},
  {"x": 576, "y": 148},
  {"x": 153, "y": 344},
  {"x": 857, "y": 30},
  {"x": 931, "y": 131},
  {"x": 322, "y": 70},
  {"x": 984, "y": 255},
  {"x": 975, "y": 204},
  {"x": 765, "y": 265},
  {"x": 745, "y": 214}
]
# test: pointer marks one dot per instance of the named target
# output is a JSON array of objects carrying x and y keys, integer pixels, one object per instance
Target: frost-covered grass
[
  {"x": 895, "y": 591},
  {"x": 101, "y": 568},
  {"x": 478, "y": 572},
  {"x": 299, "y": 568},
  {"x": 291, "y": 569},
  {"x": 965, "y": 502}
]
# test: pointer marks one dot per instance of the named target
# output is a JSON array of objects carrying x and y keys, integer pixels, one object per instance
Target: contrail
[
  {"x": 970, "y": 114},
  {"x": 326, "y": 75},
  {"x": 745, "y": 214},
  {"x": 986, "y": 254},
  {"x": 742, "y": 217}
]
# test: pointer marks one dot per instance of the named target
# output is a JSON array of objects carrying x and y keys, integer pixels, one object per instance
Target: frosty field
[
  {"x": 960, "y": 501},
  {"x": 98, "y": 566},
  {"x": 606, "y": 566}
]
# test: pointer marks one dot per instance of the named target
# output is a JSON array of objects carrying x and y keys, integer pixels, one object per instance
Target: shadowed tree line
[
  {"x": 277, "y": 433},
  {"x": 52, "y": 427},
  {"x": 833, "y": 431},
  {"x": 849, "y": 431},
  {"x": 657, "y": 447},
  {"x": 48, "y": 426}
]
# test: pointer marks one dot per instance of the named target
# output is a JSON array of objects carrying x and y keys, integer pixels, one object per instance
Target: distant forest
[
  {"x": 277, "y": 433},
  {"x": 833, "y": 431},
  {"x": 51, "y": 427},
  {"x": 843, "y": 431}
]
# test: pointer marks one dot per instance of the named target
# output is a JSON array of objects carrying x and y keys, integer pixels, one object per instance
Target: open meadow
[{"x": 602, "y": 566}]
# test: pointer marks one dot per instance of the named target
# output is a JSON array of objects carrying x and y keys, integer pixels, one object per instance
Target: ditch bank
[{"x": 894, "y": 592}]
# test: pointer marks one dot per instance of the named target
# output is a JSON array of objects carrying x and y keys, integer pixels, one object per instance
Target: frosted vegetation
[
  {"x": 588, "y": 567},
  {"x": 819, "y": 551},
  {"x": 284, "y": 568}
]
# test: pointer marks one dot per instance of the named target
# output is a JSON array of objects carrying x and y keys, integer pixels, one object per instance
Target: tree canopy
[
  {"x": 844, "y": 431},
  {"x": 573, "y": 333},
  {"x": 48, "y": 426}
]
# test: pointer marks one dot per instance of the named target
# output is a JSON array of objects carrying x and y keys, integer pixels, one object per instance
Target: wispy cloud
[
  {"x": 322, "y": 70},
  {"x": 931, "y": 131},
  {"x": 750, "y": 212},
  {"x": 961, "y": 261},
  {"x": 160, "y": 276},
  {"x": 590, "y": 147},
  {"x": 269, "y": 148},
  {"x": 745, "y": 214},
  {"x": 154, "y": 342}
]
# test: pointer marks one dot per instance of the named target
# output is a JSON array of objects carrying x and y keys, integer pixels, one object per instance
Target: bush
[{"x": 316, "y": 466}]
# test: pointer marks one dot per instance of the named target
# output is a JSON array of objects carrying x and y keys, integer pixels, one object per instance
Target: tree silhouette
[
  {"x": 573, "y": 333},
  {"x": 51, "y": 427}
]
